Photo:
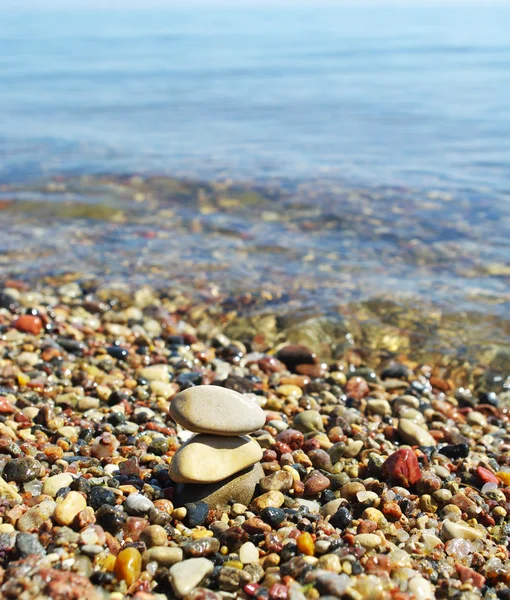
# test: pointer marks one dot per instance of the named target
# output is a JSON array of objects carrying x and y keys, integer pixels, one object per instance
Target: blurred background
[{"x": 346, "y": 165}]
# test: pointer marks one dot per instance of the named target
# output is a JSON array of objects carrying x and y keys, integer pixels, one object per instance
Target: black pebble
[
  {"x": 81, "y": 485},
  {"x": 455, "y": 451},
  {"x": 342, "y": 518},
  {"x": 62, "y": 492},
  {"x": 111, "y": 519},
  {"x": 272, "y": 516},
  {"x": 288, "y": 551},
  {"x": 117, "y": 352},
  {"x": 117, "y": 397},
  {"x": 327, "y": 496},
  {"x": 196, "y": 513},
  {"x": 99, "y": 495},
  {"x": 396, "y": 371},
  {"x": 101, "y": 577}
]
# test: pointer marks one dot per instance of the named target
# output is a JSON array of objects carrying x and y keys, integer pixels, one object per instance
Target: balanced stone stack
[{"x": 221, "y": 462}]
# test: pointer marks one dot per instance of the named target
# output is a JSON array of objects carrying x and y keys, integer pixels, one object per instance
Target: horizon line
[{"x": 140, "y": 5}]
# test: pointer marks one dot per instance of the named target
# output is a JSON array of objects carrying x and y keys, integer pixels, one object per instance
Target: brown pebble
[{"x": 316, "y": 483}]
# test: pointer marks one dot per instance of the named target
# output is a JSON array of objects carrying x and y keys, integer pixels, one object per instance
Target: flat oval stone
[
  {"x": 414, "y": 435},
  {"x": 210, "y": 458},
  {"x": 216, "y": 410}
]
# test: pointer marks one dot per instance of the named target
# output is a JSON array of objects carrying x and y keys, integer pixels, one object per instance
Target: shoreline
[{"x": 318, "y": 256}]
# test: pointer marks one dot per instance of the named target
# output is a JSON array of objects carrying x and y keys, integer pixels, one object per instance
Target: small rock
[
  {"x": 138, "y": 505},
  {"x": 330, "y": 508},
  {"x": 342, "y": 518},
  {"x": 155, "y": 373},
  {"x": 128, "y": 565},
  {"x": 281, "y": 481},
  {"x": 421, "y": 588},
  {"x": 272, "y": 515},
  {"x": 21, "y": 470},
  {"x": 28, "y": 543},
  {"x": 163, "y": 555},
  {"x": 451, "y": 530},
  {"x": 231, "y": 579},
  {"x": 368, "y": 540},
  {"x": 269, "y": 499},
  {"x": 154, "y": 535},
  {"x": 402, "y": 467},
  {"x": 196, "y": 513},
  {"x": 353, "y": 448},
  {"x": 378, "y": 407},
  {"x": 316, "y": 483},
  {"x": 308, "y": 421},
  {"x": 305, "y": 544},
  {"x": 357, "y": 388},
  {"x": 248, "y": 553},
  {"x": 202, "y": 547},
  {"x": 332, "y": 584},
  {"x": 99, "y": 496},
  {"x": 71, "y": 505},
  {"x": 35, "y": 516},
  {"x": 28, "y": 324},
  {"x": 188, "y": 574},
  {"x": 414, "y": 435},
  {"x": 55, "y": 483}
]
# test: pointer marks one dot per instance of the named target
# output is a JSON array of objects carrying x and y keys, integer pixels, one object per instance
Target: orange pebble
[
  {"x": 306, "y": 544},
  {"x": 128, "y": 565}
]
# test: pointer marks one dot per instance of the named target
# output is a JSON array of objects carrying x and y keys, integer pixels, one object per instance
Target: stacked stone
[{"x": 221, "y": 462}]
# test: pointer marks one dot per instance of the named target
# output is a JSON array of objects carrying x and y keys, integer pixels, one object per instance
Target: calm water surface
[{"x": 379, "y": 138}]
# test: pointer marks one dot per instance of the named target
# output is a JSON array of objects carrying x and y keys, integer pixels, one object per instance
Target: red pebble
[
  {"x": 270, "y": 365},
  {"x": 278, "y": 591},
  {"x": 5, "y": 405},
  {"x": 251, "y": 588},
  {"x": 313, "y": 444},
  {"x": 486, "y": 476},
  {"x": 402, "y": 467},
  {"x": 281, "y": 448},
  {"x": 467, "y": 574},
  {"x": 357, "y": 388},
  {"x": 293, "y": 438},
  {"x": 28, "y": 324},
  {"x": 269, "y": 455}
]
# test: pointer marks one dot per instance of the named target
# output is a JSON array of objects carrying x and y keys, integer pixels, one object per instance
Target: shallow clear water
[
  {"x": 415, "y": 95},
  {"x": 379, "y": 138}
]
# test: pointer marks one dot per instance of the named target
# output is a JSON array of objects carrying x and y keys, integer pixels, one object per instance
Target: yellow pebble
[
  {"x": 338, "y": 377},
  {"x": 224, "y": 550},
  {"x": 504, "y": 476},
  {"x": 23, "y": 379},
  {"x": 312, "y": 594},
  {"x": 293, "y": 472},
  {"x": 289, "y": 390},
  {"x": 197, "y": 534},
  {"x": 179, "y": 513},
  {"x": 237, "y": 564},
  {"x": 128, "y": 565},
  {"x": 109, "y": 562},
  {"x": 306, "y": 544}
]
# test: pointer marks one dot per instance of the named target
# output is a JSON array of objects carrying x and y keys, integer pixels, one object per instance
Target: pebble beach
[
  {"x": 254, "y": 300},
  {"x": 367, "y": 476}
]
